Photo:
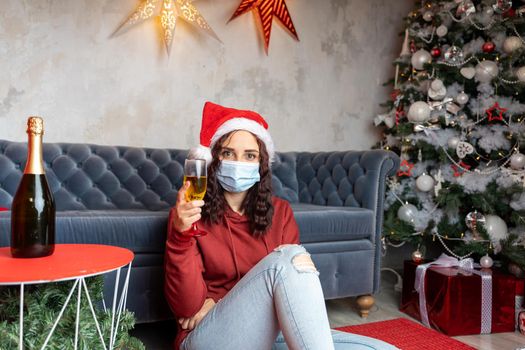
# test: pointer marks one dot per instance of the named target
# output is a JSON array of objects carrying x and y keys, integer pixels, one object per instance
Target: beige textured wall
[{"x": 57, "y": 61}]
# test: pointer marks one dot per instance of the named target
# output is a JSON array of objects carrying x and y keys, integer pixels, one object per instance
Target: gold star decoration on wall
[
  {"x": 267, "y": 10},
  {"x": 170, "y": 11}
]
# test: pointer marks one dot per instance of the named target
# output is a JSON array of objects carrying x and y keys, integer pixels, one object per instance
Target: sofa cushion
[
  {"x": 324, "y": 224},
  {"x": 141, "y": 231}
]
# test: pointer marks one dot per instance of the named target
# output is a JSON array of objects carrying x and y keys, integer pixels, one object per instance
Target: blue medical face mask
[{"x": 238, "y": 176}]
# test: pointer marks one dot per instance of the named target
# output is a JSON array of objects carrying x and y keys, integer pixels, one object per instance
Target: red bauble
[
  {"x": 488, "y": 47},
  {"x": 435, "y": 52}
]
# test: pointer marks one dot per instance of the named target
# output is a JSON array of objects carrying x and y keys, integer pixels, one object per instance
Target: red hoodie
[{"x": 209, "y": 266}]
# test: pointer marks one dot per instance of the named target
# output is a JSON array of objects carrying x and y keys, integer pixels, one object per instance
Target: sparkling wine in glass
[{"x": 195, "y": 173}]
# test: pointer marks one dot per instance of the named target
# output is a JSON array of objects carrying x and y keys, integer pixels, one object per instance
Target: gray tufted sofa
[{"x": 121, "y": 196}]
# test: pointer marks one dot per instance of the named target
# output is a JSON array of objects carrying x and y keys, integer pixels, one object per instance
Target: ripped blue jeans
[{"x": 280, "y": 296}]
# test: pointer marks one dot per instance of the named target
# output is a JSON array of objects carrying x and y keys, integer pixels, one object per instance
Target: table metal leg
[
  {"x": 78, "y": 311},
  {"x": 60, "y": 314},
  {"x": 94, "y": 314},
  {"x": 122, "y": 303},
  {"x": 114, "y": 307},
  {"x": 21, "y": 312}
]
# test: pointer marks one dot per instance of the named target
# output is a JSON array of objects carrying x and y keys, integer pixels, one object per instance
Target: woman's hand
[
  {"x": 186, "y": 213},
  {"x": 192, "y": 322}
]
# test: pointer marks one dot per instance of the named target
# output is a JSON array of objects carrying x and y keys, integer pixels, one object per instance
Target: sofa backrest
[
  {"x": 332, "y": 178},
  {"x": 95, "y": 177}
]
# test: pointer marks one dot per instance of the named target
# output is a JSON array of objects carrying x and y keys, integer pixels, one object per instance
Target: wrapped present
[
  {"x": 518, "y": 305},
  {"x": 458, "y": 299}
]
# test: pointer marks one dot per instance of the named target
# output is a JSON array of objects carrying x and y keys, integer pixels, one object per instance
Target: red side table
[{"x": 70, "y": 262}]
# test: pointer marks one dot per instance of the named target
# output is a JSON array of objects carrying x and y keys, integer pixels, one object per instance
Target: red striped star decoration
[{"x": 267, "y": 10}]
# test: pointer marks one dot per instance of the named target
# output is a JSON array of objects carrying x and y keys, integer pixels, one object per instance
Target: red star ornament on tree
[
  {"x": 461, "y": 169},
  {"x": 267, "y": 9},
  {"x": 495, "y": 109},
  {"x": 405, "y": 169}
]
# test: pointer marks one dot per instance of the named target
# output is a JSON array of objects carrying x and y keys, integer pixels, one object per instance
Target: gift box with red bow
[{"x": 458, "y": 299}]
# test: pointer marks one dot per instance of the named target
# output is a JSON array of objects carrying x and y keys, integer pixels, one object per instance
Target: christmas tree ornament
[
  {"x": 405, "y": 168},
  {"x": 441, "y": 31},
  {"x": 454, "y": 55},
  {"x": 517, "y": 161},
  {"x": 468, "y": 72},
  {"x": 473, "y": 220},
  {"x": 417, "y": 256},
  {"x": 496, "y": 228},
  {"x": 170, "y": 11},
  {"x": 386, "y": 118},
  {"x": 439, "y": 182},
  {"x": 267, "y": 10},
  {"x": 495, "y": 112},
  {"x": 428, "y": 16},
  {"x": 463, "y": 149},
  {"x": 502, "y": 6},
  {"x": 486, "y": 71},
  {"x": 489, "y": 11},
  {"x": 435, "y": 52},
  {"x": 437, "y": 90},
  {"x": 425, "y": 183},
  {"x": 488, "y": 47},
  {"x": 460, "y": 169},
  {"x": 453, "y": 142},
  {"x": 520, "y": 11},
  {"x": 520, "y": 74},
  {"x": 462, "y": 98},
  {"x": 465, "y": 8},
  {"x": 418, "y": 112},
  {"x": 420, "y": 58},
  {"x": 407, "y": 212},
  {"x": 511, "y": 44},
  {"x": 405, "y": 48},
  {"x": 486, "y": 262}
]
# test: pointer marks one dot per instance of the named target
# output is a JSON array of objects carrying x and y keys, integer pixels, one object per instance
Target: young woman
[{"x": 244, "y": 279}]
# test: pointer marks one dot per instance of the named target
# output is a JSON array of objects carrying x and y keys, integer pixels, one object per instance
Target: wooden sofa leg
[{"x": 365, "y": 303}]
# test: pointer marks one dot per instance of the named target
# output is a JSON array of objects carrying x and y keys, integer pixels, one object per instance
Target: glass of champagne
[{"x": 195, "y": 173}]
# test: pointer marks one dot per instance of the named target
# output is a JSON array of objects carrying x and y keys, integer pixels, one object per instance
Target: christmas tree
[{"x": 456, "y": 118}]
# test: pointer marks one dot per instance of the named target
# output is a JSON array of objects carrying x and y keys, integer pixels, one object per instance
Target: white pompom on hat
[{"x": 218, "y": 121}]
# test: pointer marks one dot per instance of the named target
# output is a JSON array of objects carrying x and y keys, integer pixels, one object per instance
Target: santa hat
[{"x": 218, "y": 121}]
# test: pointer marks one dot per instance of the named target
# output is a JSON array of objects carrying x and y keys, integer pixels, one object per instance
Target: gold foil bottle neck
[{"x": 35, "y": 126}]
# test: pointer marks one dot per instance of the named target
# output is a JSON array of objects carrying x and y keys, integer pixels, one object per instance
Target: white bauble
[
  {"x": 428, "y": 15},
  {"x": 441, "y": 31},
  {"x": 486, "y": 262},
  {"x": 437, "y": 90},
  {"x": 517, "y": 161},
  {"x": 520, "y": 74},
  {"x": 486, "y": 71},
  {"x": 453, "y": 142},
  {"x": 437, "y": 84},
  {"x": 418, "y": 112},
  {"x": 489, "y": 11},
  {"x": 425, "y": 183},
  {"x": 407, "y": 212},
  {"x": 511, "y": 44},
  {"x": 496, "y": 228},
  {"x": 420, "y": 58},
  {"x": 462, "y": 98}
]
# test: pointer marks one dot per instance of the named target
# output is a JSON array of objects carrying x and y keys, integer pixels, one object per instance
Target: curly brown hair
[{"x": 257, "y": 205}]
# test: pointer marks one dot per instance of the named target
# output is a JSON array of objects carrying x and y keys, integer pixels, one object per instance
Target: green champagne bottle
[{"x": 33, "y": 207}]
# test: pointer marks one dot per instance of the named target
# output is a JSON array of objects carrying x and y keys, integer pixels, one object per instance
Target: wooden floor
[{"x": 342, "y": 312}]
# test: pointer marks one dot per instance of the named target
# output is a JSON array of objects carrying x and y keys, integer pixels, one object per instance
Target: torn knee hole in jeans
[{"x": 303, "y": 263}]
